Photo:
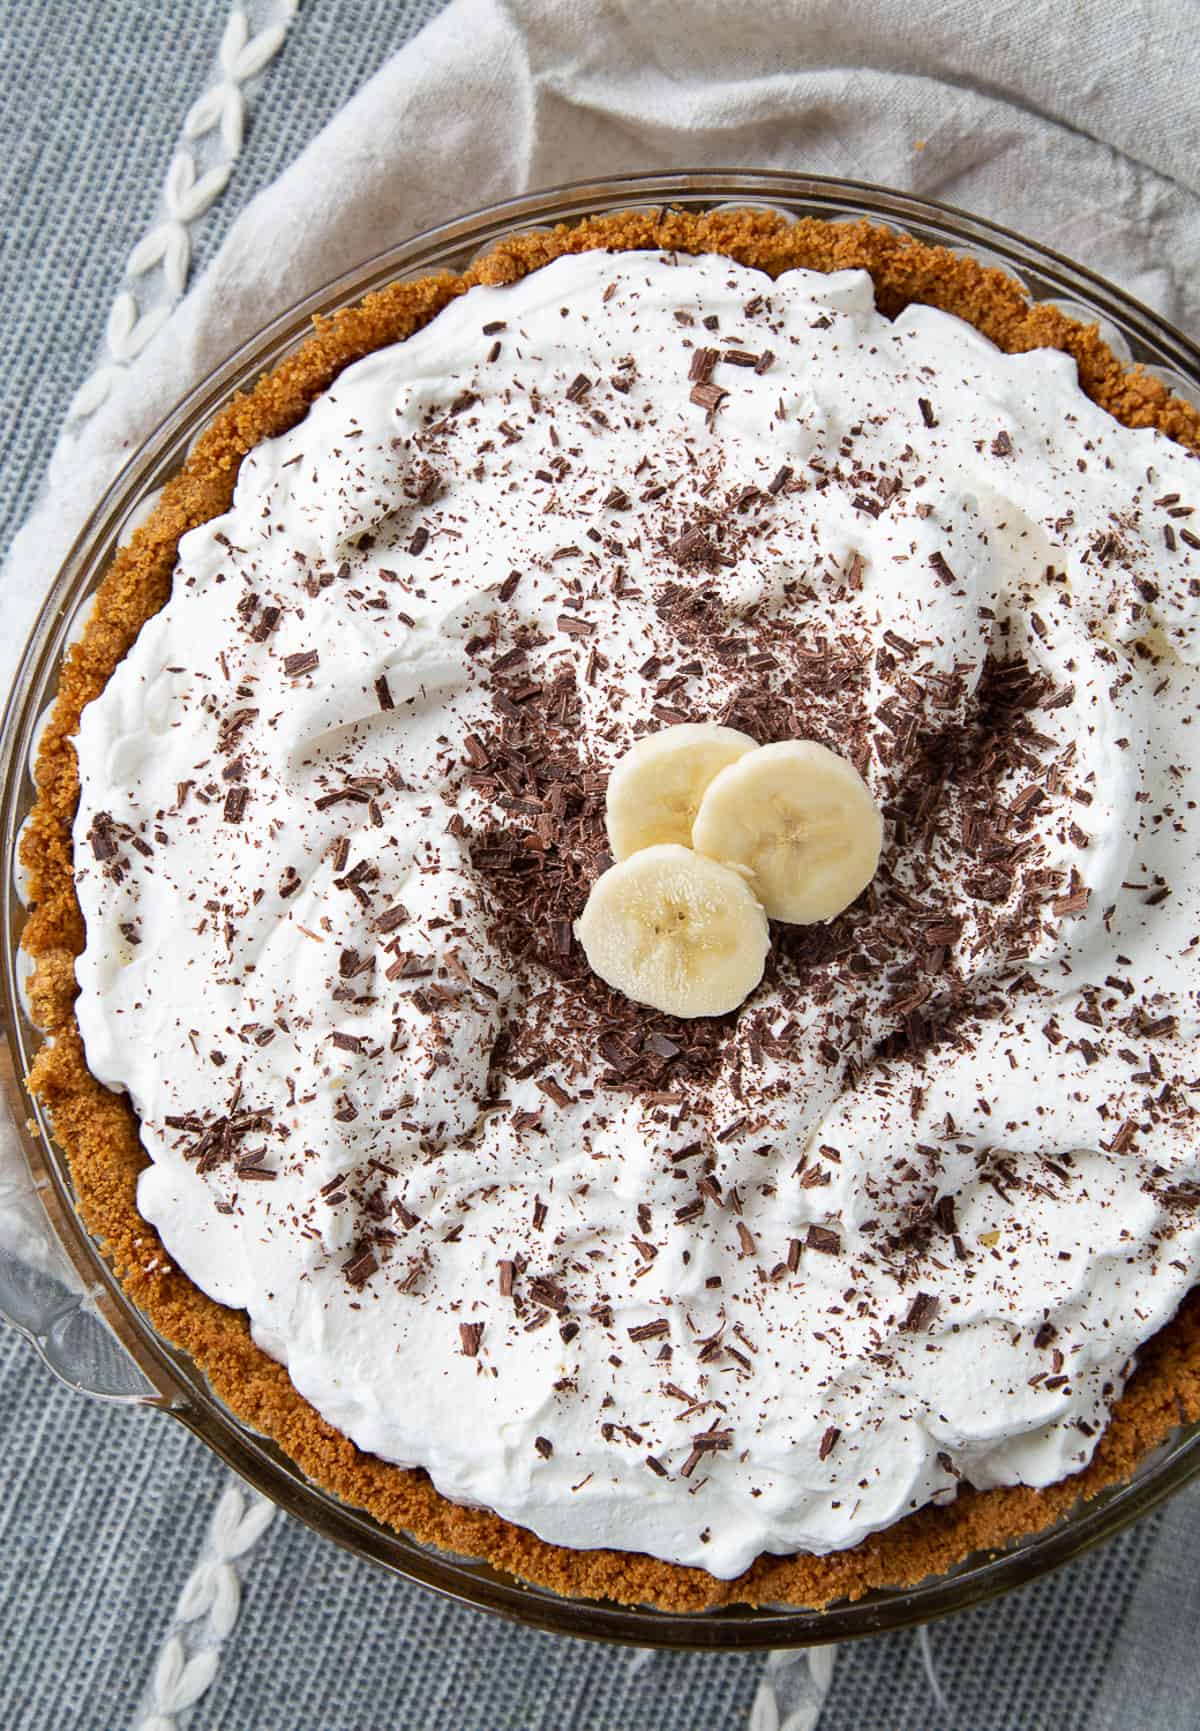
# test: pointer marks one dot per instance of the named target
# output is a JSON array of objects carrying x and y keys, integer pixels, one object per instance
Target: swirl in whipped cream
[{"x": 762, "y": 1283}]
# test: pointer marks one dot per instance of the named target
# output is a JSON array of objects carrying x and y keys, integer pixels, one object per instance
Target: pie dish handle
[{"x": 44, "y": 1299}]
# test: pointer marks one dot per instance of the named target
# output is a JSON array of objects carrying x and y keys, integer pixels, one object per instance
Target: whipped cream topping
[{"x": 760, "y": 1283}]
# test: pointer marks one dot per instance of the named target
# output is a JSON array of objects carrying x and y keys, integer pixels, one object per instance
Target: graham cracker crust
[{"x": 98, "y": 1129}]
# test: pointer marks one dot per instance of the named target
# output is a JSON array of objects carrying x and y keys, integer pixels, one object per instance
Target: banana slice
[
  {"x": 655, "y": 789},
  {"x": 677, "y": 931},
  {"x": 803, "y": 822}
]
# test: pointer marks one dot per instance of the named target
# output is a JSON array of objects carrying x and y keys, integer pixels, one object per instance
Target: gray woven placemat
[{"x": 103, "y": 1511}]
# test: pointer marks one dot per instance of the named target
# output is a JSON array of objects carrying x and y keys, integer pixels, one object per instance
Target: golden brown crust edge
[{"x": 98, "y": 1129}]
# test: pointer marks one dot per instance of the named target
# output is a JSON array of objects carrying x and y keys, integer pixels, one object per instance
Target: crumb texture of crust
[{"x": 98, "y": 1130}]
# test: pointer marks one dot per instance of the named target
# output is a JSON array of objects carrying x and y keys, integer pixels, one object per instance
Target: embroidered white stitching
[
  {"x": 214, "y": 126},
  {"x": 792, "y": 1689},
  {"x": 207, "y": 1609}
]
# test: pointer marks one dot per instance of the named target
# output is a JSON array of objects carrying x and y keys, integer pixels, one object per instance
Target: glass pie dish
[{"x": 65, "y": 1297}]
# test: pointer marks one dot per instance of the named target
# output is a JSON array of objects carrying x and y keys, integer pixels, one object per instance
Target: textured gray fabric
[
  {"x": 103, "y": 1510},
  {"x": 101, "y": 1514}
]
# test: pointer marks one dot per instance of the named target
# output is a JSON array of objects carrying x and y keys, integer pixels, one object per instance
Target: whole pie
[{"x": 847, "y": 1246}]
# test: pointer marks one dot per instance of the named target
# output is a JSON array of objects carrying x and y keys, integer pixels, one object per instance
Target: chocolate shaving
[
  {"x": 822, "y": 1238},
  {"x": 100, "y": 836},
  {"x": 360, "y": 1268},
  {"x": 543, "y": 1290},
  {"x": 702, "y": 364},
  {"x": 650, "y": 1330},
  {"x": 921, "y": 1312},
  {"x": 231, "y": 727},
  {"x": 693, "y": 547},
  {"x": 555, "y": 1091},
  {"x": 1124, "y": 1139}
]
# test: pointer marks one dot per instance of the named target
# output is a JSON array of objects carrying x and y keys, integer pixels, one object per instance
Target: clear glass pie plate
[{"x": 55, "y": 1285}]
